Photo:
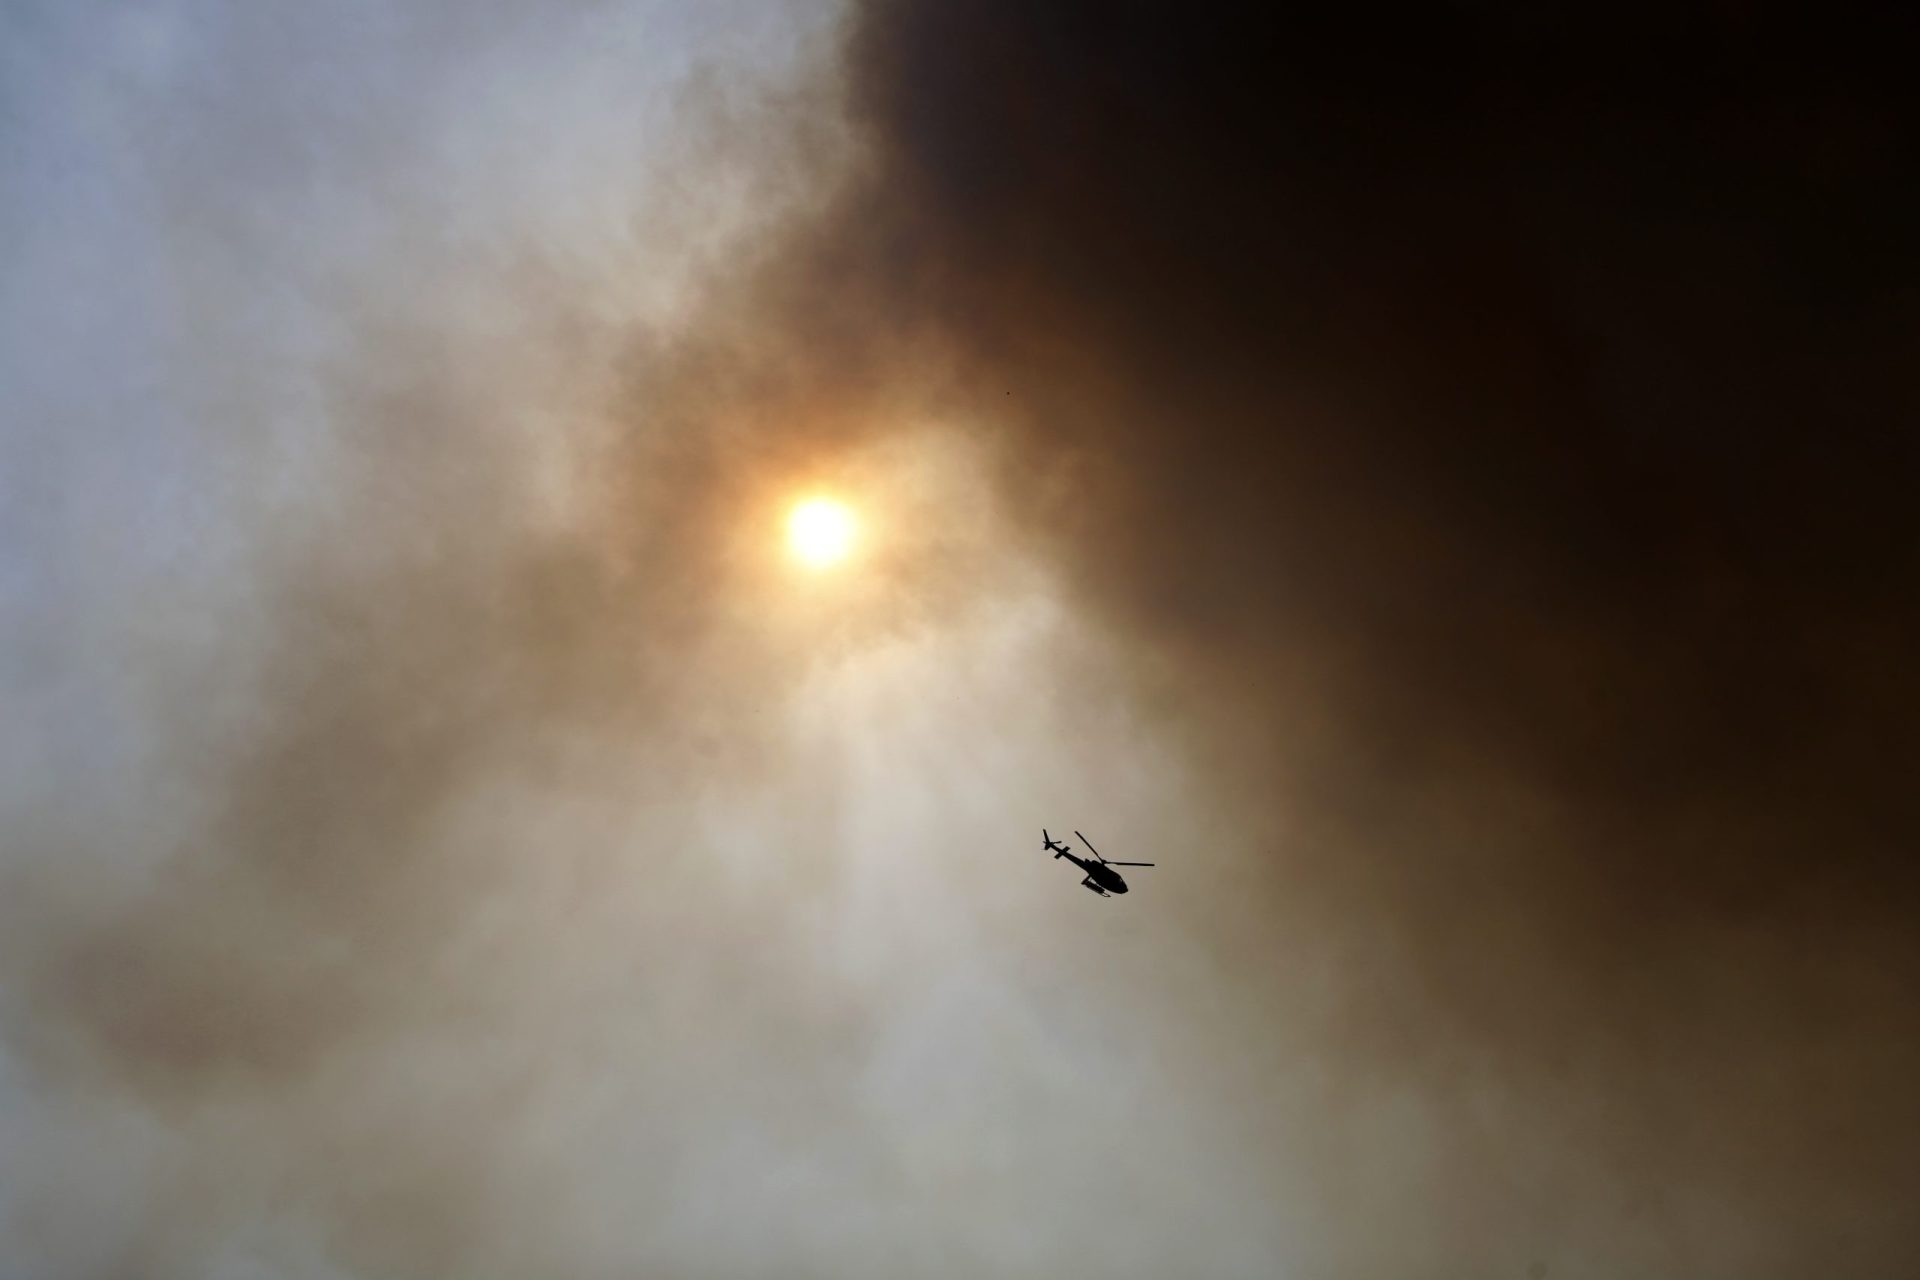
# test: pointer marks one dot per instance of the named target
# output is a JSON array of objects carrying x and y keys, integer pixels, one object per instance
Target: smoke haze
[{"x": 1441, "y": 490}]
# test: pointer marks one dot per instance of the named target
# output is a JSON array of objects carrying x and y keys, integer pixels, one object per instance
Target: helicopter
[{"x": 1101, "y": 876}]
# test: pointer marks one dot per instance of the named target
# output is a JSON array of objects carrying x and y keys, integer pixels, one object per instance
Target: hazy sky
[{"x": 1444, "y": 491}]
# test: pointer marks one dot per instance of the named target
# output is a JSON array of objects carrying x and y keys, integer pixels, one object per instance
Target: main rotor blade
[
  {"x": 1089, "y": 844},
  {"x": 1129, "y": 864}
]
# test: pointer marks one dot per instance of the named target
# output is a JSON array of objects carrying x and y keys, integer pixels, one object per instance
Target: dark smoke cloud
[
  {"x": 1494, "y": 429},
  {"x": 1443, "y": 484}
]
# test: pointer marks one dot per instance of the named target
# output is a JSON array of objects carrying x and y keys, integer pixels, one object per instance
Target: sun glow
[{"x": 820, "y": 532}]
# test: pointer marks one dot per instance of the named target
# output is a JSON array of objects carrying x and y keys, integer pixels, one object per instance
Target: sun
[{"x": 820, "y": 532}]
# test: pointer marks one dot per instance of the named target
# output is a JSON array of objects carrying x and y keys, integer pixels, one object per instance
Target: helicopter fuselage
[{"x": 1100, "y": 876}]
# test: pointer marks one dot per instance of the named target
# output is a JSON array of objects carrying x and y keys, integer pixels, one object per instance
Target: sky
[{"x": 1439, "y": 487}]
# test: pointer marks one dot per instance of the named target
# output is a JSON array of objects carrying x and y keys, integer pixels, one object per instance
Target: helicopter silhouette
[{"x": 1101, "y": 876}]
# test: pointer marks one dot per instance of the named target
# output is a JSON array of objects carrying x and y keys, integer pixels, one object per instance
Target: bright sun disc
[{"x": 820, "y": 531}]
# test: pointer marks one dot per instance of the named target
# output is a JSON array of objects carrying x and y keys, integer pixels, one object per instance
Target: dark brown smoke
[{"x": 1494, "y": 428}]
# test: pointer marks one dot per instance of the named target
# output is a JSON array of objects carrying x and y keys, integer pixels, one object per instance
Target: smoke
[
  {"x": 1439, "y": 495},
  {"x": 1488, "y": 431}
]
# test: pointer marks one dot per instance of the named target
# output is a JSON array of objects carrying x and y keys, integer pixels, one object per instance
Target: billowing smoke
[
  {"x": 1489, "y": 433},
  {"x": 1441, "y": 490}
]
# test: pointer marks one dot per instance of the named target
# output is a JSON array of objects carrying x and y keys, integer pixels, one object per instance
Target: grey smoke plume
[{"x": 1442, "y": 498}]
